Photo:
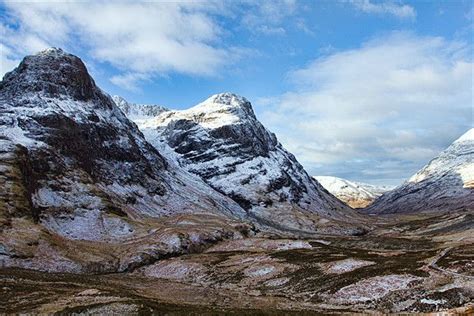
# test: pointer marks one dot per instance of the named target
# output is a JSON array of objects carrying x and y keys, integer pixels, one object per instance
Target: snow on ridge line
[
  {"x": 468, "y": 136},
  {"x": 225, "y": 98}
]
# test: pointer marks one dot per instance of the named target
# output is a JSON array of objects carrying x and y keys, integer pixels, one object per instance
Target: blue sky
[{"x": 367, "y": 90}]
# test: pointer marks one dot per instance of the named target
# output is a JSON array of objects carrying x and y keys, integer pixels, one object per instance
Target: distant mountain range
[{"x": 354, "y": 194}]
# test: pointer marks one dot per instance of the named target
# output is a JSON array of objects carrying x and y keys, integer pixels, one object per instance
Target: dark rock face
[
  {"x": 18, "y": 167},
  {"x": 55, "y": 74},
  {"x": 75, "y": 141},
  {"x": 89, "y": 139}
]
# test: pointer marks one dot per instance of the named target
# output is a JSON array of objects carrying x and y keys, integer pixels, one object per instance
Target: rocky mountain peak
[
  {"x": 227, "y": 102},
  {"x": 52, "y": 73}
]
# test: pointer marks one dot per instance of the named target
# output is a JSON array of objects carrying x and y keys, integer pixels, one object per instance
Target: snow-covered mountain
[
  {"x": 136, "y": 111},
  {"x": 445, "y": 184},
  {"x": 222, "y": 142},
  {"x": 354, "y": 194},
  {"x": 74, "y": 167}
]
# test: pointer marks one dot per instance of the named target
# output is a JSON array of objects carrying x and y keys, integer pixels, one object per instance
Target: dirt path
[{"x": 433, "y": 265}]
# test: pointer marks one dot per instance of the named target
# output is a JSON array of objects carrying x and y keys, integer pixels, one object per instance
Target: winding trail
[{"x": 433, "y": 265}]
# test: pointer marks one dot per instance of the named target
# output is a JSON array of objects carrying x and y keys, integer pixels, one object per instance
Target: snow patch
[
  {"x": 259, "y": 271},
  {"x": 346, "y": 265},
  {"x": 373, "y": 288},
  {"x": 432, "y": 302}
]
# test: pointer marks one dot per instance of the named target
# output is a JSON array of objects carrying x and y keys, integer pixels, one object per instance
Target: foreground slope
[
  {"x": 74, "y": 169},
  {"x": 446, "y": 184},
  {"x": 354, "y": 194},
  {"x": 422, "y": 263},
  {"x": 221, "y": 141}
]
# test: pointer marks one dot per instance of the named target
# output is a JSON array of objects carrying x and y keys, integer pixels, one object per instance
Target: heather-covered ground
[{"x": 411, "y": 264}]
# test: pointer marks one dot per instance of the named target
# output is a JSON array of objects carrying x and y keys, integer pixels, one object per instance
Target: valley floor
[{"x": 412, "y": 264}]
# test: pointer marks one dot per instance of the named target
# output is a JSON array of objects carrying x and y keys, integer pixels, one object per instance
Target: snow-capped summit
[
  {"x": 222, "y": 142},
  {"x": 219, "y": 110},
  {"x": 354, "y": 194},
  {"x": 226, "y": 99},
  {"x": 445, "y": 184},
  {"x": 52, "y": 51},
  {"x": 468, "y": 136},
  {"x": 227, "y": 105}
]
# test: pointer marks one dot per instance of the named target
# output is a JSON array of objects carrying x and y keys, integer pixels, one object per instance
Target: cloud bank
[{"x": 379, "y": 112}]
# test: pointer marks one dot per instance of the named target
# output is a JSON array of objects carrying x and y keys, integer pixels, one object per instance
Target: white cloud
[
  {"x": 6, "y": 63},
  {"x": 141, "y": 39},
  {"x": 129, "y": 81},
  {"x": 400, "y": 98},
  {"x": 396, "y": 9},
  {"x": 266, "y": 16}
]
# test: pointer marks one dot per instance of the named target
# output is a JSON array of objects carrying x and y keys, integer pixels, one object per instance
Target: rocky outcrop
[
  {"x": 222, "y": 142},
  {"x": 445, "y": 184},
  {"x": 354, "y": 194}
]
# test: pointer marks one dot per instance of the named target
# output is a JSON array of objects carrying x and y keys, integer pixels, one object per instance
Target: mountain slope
[
  {"x": 445, "y": 184},
  {"x": 354, "y": 194},
  {"x": 74, "y": 168},
  {"x": 221, "y": 141}
]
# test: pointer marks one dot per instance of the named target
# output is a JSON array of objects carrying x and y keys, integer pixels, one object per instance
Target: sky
[{"x": 365, "y": 90}]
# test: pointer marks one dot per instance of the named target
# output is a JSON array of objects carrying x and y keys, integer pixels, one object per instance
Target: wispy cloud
[
  {"x": 267, "y": 16},
  {"x": 129, "y": 81},
  {"x": 403, "y": 11},
  {"x": 400, "y": 98}
]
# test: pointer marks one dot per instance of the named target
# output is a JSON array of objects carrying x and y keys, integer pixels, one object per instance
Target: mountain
[
  {"x": 354, "y": 194},
  {"x": 76, "y": 173},
  {"x": 138, "y": 111},
  {"x": 221, "y": 141},
  {"x": 445, "y": 184}
]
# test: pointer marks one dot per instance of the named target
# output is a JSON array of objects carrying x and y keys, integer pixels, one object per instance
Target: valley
[
  {"x": 412, "y": 264},
  {"x": 110, "y": 207}
]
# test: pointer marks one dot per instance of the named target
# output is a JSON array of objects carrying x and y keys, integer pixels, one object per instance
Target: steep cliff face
[
  {"x": 222, "y": 142},
  {"x": 75, "y": 166},
  {"x": 445, "y": 184},
  {"x": 354, "y": 194}
]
